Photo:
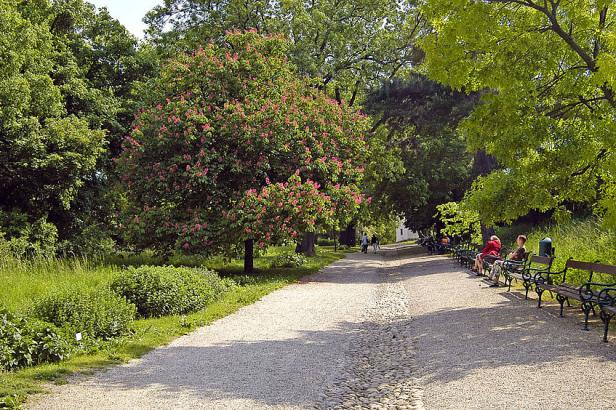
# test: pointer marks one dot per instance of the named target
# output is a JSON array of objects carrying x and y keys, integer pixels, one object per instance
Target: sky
[{"x": 128, "y": 12}]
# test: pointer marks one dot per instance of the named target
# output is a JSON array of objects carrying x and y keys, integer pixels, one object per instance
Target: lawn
[{"x": 30, "y": 280}]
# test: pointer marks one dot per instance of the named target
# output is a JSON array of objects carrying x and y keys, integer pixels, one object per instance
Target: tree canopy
[
  {"x": 420, "y": 119},
  {"x": 233, "y": 145},
  {"x": 546, "y": 72},
  {"x": 349, "y": 45}
]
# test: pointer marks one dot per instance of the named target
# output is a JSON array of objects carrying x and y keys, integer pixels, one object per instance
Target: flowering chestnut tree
[{"x": 233, "y": 146}]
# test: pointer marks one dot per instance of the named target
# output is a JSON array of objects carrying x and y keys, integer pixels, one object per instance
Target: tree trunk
[
  {"x": 335, "y": 236},
  {"x": 483, "y": 164},
  {"x": 347, "y": 237},
  {"x": 486, "y": 232},
  {"x": 308, "y": 243},
  {"x": 249, "y": 256}
]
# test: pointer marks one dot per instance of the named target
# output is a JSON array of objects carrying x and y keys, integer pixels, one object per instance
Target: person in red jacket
[{"x": 493, "y": 248}]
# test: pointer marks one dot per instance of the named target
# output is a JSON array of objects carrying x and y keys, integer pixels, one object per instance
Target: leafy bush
[
  {"x": 96, "y": 314},
  {"x": 325, "y": 242},
  {"x": 458, "y": 220},
  {"x": 168, "y": 290},
  {"x": 288, "y": 260},
  {"x": 25, "y": 238},
  {"x": 92, "y": 241},
  {"x": 245, "y": 280},
  {"x": 28, "y": 342}
]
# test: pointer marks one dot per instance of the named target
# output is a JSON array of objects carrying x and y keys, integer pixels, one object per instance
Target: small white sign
[{"x": 78, "y": 337}]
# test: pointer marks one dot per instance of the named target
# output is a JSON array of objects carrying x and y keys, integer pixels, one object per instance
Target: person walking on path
[
  {"x": 364, "y": 243},
  {"x": 374, "y": 242}
]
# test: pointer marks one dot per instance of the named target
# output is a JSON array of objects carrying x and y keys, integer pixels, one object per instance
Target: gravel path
[
  {"x": 484, "y": 348},
  {"x": 390, "y": 331},
  {"x": 282, "y": 351}
]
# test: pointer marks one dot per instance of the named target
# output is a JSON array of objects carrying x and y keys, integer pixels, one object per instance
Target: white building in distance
[{"x": 405, "y": 234}]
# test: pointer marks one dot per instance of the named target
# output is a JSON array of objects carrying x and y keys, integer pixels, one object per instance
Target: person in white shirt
[{"x": 364, "y": 243}]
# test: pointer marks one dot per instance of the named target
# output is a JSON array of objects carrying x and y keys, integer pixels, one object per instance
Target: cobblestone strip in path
[{"x": 380, "y": 371}]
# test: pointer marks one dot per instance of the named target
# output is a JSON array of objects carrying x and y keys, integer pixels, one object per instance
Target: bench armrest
[
  {"x": 587, "y": 293},
  {"x": 542, "y": 275},
  {"x": 607, "y": 296}
]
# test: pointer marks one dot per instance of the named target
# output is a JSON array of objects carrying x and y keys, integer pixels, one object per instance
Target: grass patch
[{"x": 15, "y": 387}]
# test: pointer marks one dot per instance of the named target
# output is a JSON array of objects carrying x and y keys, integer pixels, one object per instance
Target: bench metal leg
[
  {"x": 561, "y": 299},
  {"x": 510, "y": 280},
  {"x": 605, "y": 318},
  {"x": 586, "y": 308},
  {"x": 539, "y": 292},
  {"x": 527, "y": 286}
]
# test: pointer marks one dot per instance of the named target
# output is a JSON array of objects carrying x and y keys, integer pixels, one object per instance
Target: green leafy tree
[
  {"x": 348, "y": 45},
  {"x": 46, "y": 150},
  {"x": 233, "y": 146},
  {"x": 459, "y": 220},
  {"x": 67, "y": 116},
  {"x": 547, "y": 111},
  {"x": 419, "y": 118}
]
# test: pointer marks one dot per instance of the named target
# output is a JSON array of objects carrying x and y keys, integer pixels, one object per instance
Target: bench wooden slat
[
  {"x": 591, "y": 266},
  {"x": 543, "y": 260}
]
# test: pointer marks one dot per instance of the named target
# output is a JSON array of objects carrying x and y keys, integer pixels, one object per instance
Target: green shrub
[
  {"x": 26, "y": 238},
  {"x": 288, "y": 260},
  {"x": 93, "y": 241},
  {"x": 28, "y": 342},
  {"x": 326, "y": 242},
  {"x": 168, "y": 290},
  {"x": 95, "y": 314}
]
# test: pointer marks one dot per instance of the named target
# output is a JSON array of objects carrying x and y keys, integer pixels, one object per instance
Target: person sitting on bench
[
  {"x": 517, "y": 255},
  {"x": 492, "y": 248}
]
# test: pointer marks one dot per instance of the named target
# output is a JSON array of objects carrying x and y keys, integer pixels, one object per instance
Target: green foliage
[
  {"x": 92, "y": 241},
  {"x": 545, "y": 72},
  {"x": 46, "y": 150},
  {"x": 384, "y": 228},
  {"x": 585, "y": 240},
  {"x": 23, "y": 238},
  {"x": 325, "y": 241},
  {"x": 33, "y": 278},
  {"x": 98, "y": 314},
  {"x": 65, "y": 103},
  {"x": 459, "y": 221},
  {"x": 166, "y": 290},
  {"x": 419, "y": 118},
  {"x": 347, "y": 45},
  {"x": 228, "y": 135},
  {"x": 288, "y": 260},
  {"x": 28, "y": 342}
]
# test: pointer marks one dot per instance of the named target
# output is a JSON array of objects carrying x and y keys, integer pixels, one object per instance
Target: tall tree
[
  {"x": 420, "y": 117},
  {"x": 80, "y": 69},
  {"x": 233, "y": 146},
  {"x": 548, "y": 117},
  {"x": 46, "y": 150},
  {"x": 348, "y": 45}
]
